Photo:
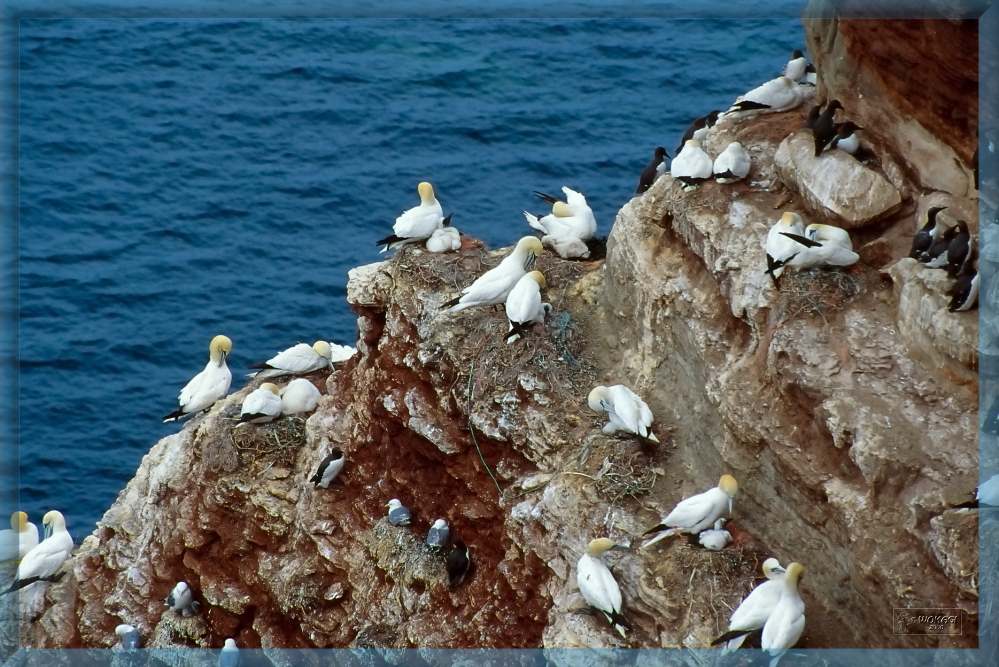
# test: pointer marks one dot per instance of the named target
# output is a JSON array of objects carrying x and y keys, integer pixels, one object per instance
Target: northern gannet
[
  {"x": 445, "y": 239},
  {"x": 597, "y": 584},
  {"x": 303, "y": 358},
  {"x": 261, "y": 405},
  {"x": 576, "y": 202},
  {"x": 458, "y": 563},
  {"x": 691, "y": 165},
  {"x": 814, "y": 252},
  {"x": 780, "y": 248},
  {"x": 181, "y": 600},
  {"x": 780, "y": 94},
  {"x": 418, "y": 223},
  {"x": 43, "y": 562},
  {"x": 648, "y": 176},
  {"x": 564, "y": 232},
  {"x": 828, "y": 234},
  {"x": 208, "y": 386},
  {"x": 398, "y": 514},
  {"x": 927, "y": 234},
  {"x": 19, "y": 539},
  {"x": 299, "y": 396},
  {"x": 328, "y": 469},
  {"x": 524, "y": 307},
  {"x": 732, "y": 164},
  {"x": 755, "y": 609},
  {"x": 795, "y": 67},
  {"x": 694, "y": 514},
  {"x": 625, "y": 409},
  {"x": 438, "y": 534},
  {"x": 493, "y": 286},
  {"x": 786, "y": 623}
]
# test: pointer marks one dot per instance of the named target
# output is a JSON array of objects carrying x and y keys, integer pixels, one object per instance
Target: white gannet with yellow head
[
  {"x": 299, "y": 396},
  {"x": 829, "y": 234},
  {"x": 694, "y": 514},
  {"x": 524, "y": 307},
  {"x": 493, "y": 286},
  {"x": 42, "y": 562},
  {"x": 564, "y": 232},
  {"x": 781, "y": 248},
  {"x": 19, "y": 539},
  {"x": 261, "y": 405},
  {"x": 577, "y": 207},
  {"x": 418, "y": 223},
  {"x": 691, "y": 165},
  {"x": 732, "y": 164},
  {"x": 209, "y": 385},
  {"x": 626, "y": 411},
  {"x": 821, "y": 245},
  {"x": 303, "y": 358},
  {"x": 755, "y": 609},
  {"x": 786, "y": 623},
  {"x": 597, "y": 584},
  {"x": 780, "y": 94}
]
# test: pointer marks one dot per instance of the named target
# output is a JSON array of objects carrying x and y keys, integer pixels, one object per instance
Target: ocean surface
[{"x": 182, "y": 178}]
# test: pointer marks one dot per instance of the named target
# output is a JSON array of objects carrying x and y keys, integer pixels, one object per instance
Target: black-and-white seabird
[
  {"x": 786, "y": 622},
  {"x": 261, "y": 405},
  {"x": 564, "y": 232},
  {"x": 780, "y": 94},
  {"x": 651, "y": 170},
  {"x": 580, "y": 208},
  {"x": 493, "y": 286},
  {"x": 229, "y": 655},
  {"x": 302, "y": 359},
  {"x": 752, "y": 613},
  {"x": 42, "y": 563},
  {"x": 626, "y": 411},
  {"x": 329, "y": 468},
  {"x": 846, "y": 138},
  {"x": 732, "y": 164},
  {"x": 715, "y": 538},
  {"x": 692, "y": 164},
  {"x": 964, "y": 292},
  {"x": 128, "y": 636},
  {"x": 399, "y": 514},
  {"x": 458, "y": 563},
  {"x": 208, "y": 386},
  {"x": 697, "y": 513},
  {"x": 598, "y": 586},
  {"x": 779, "y": 248},
  {"x": 418, "y": 223},
  {"x": 957, "y": 249},
  {"x": 698, "y": 129},
  {"x": 795, "y": 67},
  {"x": 811, "y": 77},
  {"x": 181, "y": 600},
  {"x": 824, "y": 127},
  {"x": 927, "y": 234},
  {"x": 936, "y": 256},
  {"x": 19, "y": 539},
  {"x": 821, "y": 250},
  {"x": 524, "y": 307},
  {"x": 299, "y": 396},
  {"x": 439, "y": 534}
]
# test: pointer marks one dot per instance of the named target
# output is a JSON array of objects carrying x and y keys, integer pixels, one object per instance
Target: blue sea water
[{"x": 182, "y": 178}]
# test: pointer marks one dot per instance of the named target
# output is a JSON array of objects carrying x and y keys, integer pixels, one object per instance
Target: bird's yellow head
[
  {"x": 323, "y": 349},
  {"x": 597, "y": 394},
  {"x": 794, "y": 572},
  {"x": 529, "y": 248},
  {"x": 271, "y": 387},
  {"x": 728, "y": 484},
  {"x": 561, "y": 210},
  {"x": 789, "y": 218},
  {"x": 599, "y": 546},
  {"x": 426, "y": 192},
  {"x": 771, "y": 567},
  {"x": 539, "y": 278},
  {"x": 19, "y": 521},
  {"x": 220, "y": 348},
  {"x": 54, "y": 519}
]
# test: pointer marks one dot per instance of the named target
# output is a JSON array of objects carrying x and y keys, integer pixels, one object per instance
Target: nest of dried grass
[
  {"x": 263, "y": 445},
  {"x": 816, "y": 292},
  {"x": 624, "y": 477}
]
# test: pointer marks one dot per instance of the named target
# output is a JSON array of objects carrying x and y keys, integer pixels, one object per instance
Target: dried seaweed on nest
[
  {"x": 276, "y": 443},
  {"x": 816, "y": 292}
]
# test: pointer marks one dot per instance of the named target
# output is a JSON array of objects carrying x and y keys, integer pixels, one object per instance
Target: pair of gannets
[
  {"x": 493, "y": 286},
  {"x": 693, "y": 165},
  {"x": 775, "y": 606},
  {"x": 568, "y": 227},
  {"x": 625, "y": 410},
  {"x": 417, "y": 224},
  {"x": 43, "y": 561},
  {"x": 208, "y": 386},
  {"x": 268, "y": 402},
  {"x": 697, "y": 513},
  {"x": 790, "y": 243},
  {"x": 524, "y": 307},
  {"x": 19, "y": 539},
  {"x": 303, "y": 358}
]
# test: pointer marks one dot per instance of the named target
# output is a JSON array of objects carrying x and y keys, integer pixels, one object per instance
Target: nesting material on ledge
[
  {"x": 815, "y": 293},
  {"x": 276, "y": 443}
]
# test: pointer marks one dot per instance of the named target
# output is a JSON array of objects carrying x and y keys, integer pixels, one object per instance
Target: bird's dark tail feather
[
  {"x": 656, "y": 529},
  {"x": 519, "y": 329},
  {"x": 686, "y": 180},
  {"x": 725, "y": 174},
  {"x": 261, "y": 365},
  {"x": 251, "y": 416},
  {"x": 729, "y": 636},
  {"x": 749, "y": 105},
  {"x": 174, "y": 416},
  {"x": 22, "y": 583},
  {"x": 452, "y": 302},
  {"x": 807, "y": 242},
  {"x": 389, "y": 240},
  {"x": 547, "y": 197}
]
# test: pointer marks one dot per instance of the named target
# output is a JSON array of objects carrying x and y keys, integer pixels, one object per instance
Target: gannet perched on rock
[
  {"x": 576, "y": 202},
  {"x": 648, "y": 176},
  {"x": 128, "y": 636},
  {"x": 418, "y": 223},
  {"x": 181, "y": 600},
  {"x": 697, "y": 513},
  {"x": 493, "y": 286},
  {"x": 691, "y": 165},
  {"x": 398, "y": 514},
  {"x": 755, "y": 609},
  {"x": 732, "y": 164},
  {"x": 716, "y": 538},
  {"x": 780, "y": 248},
  {"x": 299, "y": 396},
  {"x": 208, "y": 386},
  {"x": 828, "y": 234},
  {"x": 780, "y": 94},
  {"x": 625, "y": 409},
  {"x": 438, "y": 534},
  {"x": 458, "y": 563},
  {"x": 826, "y": 247},
  {"x": 303, "y": 358},
  {"x": 445, "y": 239},
  {"x": 795, "y": 67},
  {"x": 597, "y": 584},
  {"x": 229, "y": 655},
  {"x": 43, "y": 561},
  {"x": 524, "y": 307},
  {"x": 786, "y": 622},
  {"x": 564, "y": 232},
  {"x": 927, "y": 234},
  {"x": 329, "y": 468},
  {"x": 19, "y": 539},
  {"x": 261, "y": 405}
]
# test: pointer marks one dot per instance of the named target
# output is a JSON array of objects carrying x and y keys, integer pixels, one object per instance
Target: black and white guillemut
[{"x": 329, "y": 468}]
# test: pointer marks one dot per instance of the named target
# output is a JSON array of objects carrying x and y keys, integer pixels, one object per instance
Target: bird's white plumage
[
  {"x": 582, "y": 211},
  {"x": 786, "y": 622},
  {"x": 735, "y": 160},
  {"x": 129, "y": 636},
  {"x": 181, "y": 600},
  {"x": 299, "y": 396},
  {"x": 264, "y": 402},
  {"x": 780, "y": 247},
  {"x": 626, "y": 411},
  {"x": 715, "y": 538},
  {"x": 597, "y": 585},
  {"x": 296, "y": 360},
  {"x": 753, "y": 612},
  {"x": 698, "y": 512},
  {"x": 780, "y": 94},
  {"x": 329, "y": 468},
  {"x": 795, "y": 68},
  {"x": 438, "y": 534},
  {"x": 206, "y": 387},
  {"x": 850, "y": 144},
  {"x": 523, "y": 303},
  {"x": 445, "y": 239},
  {"x": 17, "y": 541},
  {"x": 421, "y": 221},
  {"x": 229, "y": 655},
  {"x": 829, "y": 234},
  {"x": 827, "y": 254},
  {"x": 48, "y": 556},
  {"x": 493, "y": 286},
  {"x": 691, "y": 162}
]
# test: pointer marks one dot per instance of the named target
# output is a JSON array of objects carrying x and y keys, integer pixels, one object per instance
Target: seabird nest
[
  {"x": 816, "y": 292},
  {"x": 262, "y": 445}
]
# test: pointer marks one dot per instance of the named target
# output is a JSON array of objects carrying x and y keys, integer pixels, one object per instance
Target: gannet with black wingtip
[
  {"x": 329, "y": 468},
  {"x": 576, "y": 202},
  {"x": 299, "y": 396},
  {"x": 597, "y": 584},
  {"x": 398, "y": 514},
  {"x": 493, "y": 286},
  {"x": 814, "y": 252},
  {"x": 786, "y": 622},
  {"x": 524, "y": 307},
  {"x": 780, "y": 94},
  {"x": 43, "y": 562},
  {"x": 828, "y": 234},
  {"x": 445, "y": 239},
  {"x": 753, "y": 612},
  {"x": 694, "y": 514},
  {"x": 19, "y": 539},
  {"x": 732, "y": 164},
  {"x": 691, "y": 165},
  {"x": 780, "y": 248},
  {"x": 795, "y": 67},
  {"x": 626, "y": 411},
  {"x": 303, "y": 358},
  {"x": 181, "y": 600},
  {"x": 208, "y": 386},
  {"x": 418, "y": 223},
  {"x": 128, "y": 636},
  {"x": 564, "y": 231},
  {"x": 261, "y": 405},
  {"x": 229, "y": 655},
  {"x": 438, "y": 534},
  {"x": 715, "y": 538}
]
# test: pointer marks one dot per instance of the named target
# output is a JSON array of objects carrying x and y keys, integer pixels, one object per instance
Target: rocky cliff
[{"x": 844, "y": 402}]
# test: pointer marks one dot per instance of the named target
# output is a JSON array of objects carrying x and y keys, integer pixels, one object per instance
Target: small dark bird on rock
[
  {"x": 459, "y": 561},
  {"x": 964, "y": 292},
  {"x": 957, "y": 251},
  {"x": 925, "y": 237},
  {"x": 702, "y": 123},
  {"x": 823, "y": 129},
  {"x": 936, "y": 256},
  {"x": 651, "y": 170}
]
